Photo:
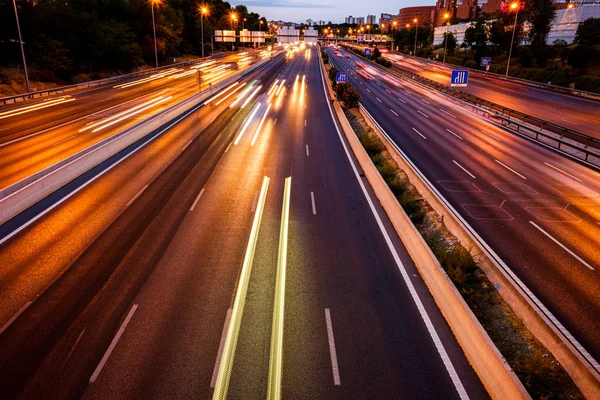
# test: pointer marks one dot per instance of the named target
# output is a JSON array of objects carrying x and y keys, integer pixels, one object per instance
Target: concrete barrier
[
  {"x": 492, "y": 369},
  {"x": 23, "y": 194},
  {"x": 538, "y": 320}
]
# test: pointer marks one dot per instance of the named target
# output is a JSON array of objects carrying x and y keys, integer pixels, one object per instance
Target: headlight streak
[
  {"x": 296, "y": 82},
  {"x": 132, "y": 114},
  {"x": 221, "y": 92},
  {"x": 241, "y": 95},
  {"x": 35, "y": 107},
  {"x": 246, "y": 124},
  {"x": 230, "y": 94},
  {"x": 148, "y": 79},
  {"x": 262, "y": 121},
  {"x": 251, "y": 96},
  {"x": 95, "y": 124},
  {"x": 273, "y": 86}
]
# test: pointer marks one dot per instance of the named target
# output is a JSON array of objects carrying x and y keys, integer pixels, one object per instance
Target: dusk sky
[{"x": 328, "y": 10}]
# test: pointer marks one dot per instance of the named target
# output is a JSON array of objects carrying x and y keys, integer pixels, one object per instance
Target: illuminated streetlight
[
  {"x": 570, "y": 5},
  {"x": 203, "y": 12},
  {"x": 394, "y": 34},
  {"x": 514, "y": 6},
  {"x": 446, "y": 17},
  {"x": 22, "y": 50},
  {"x": 154, "y": 32},
  {"x": 233, "y": 17},
  {"x": 416, "y": 30}
]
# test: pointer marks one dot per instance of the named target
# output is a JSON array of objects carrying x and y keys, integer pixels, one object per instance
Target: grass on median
[{"x": 538, "y": 370}]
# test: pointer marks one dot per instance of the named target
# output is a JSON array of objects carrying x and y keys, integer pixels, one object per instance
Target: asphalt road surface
[
  {"x": 576, "y": 113},
  {"x": 538, "y": 210},
  {"x": 132, "y": 282}
]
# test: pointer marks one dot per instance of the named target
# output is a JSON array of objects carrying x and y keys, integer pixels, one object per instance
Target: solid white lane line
[
  {"x": 332, "y": 352},
  {"x": 454, "y": 134},
  {"x": 213, "y": 380},
  {"x": 560, "y": 170},
  {"x": 378, "y": 99},
  {"x": 492, "y": 136},
  {"x": 62, "y": 141},
  {"x": 464, "y": 169},
  {"x": 401, "y": 100},
  {"x": 510, "y": 169},
  {"x": 254, "y": 201},
  {"x": 446, "y": 112},
  {"x": 307, "y": 152},
  {"x": 422, "y": 113},
  {"x": 423, "y": 313},
  {"x": 113, "y": 344},
  {"x": 233, "y": 331},
  {"x": 312, "y": 200},
  {"x": 197, "y": 199},
  {"x": 562, "y": 246},
  {"x": 136, "y": 196},
  {"x": 368, "y": 90},
  {"x": 14, "y": 317},
  {"x": 394, "y": 112},
  {"x": 423, "y": 136},
  {"x": 425, "y": 101}
]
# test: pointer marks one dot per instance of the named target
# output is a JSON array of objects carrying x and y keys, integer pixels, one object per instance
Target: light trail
[
  {"x": 132, "y": 114},
  {"x": 35, "y": 107},
  {"x": 95, "y": 124}
]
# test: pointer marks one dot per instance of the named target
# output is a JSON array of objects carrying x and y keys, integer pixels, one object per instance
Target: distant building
[
  {"x": 424, "y": 15},
  {"x": 385, "y": 21},
  {"x": 359, "y": 20},
  {"x": 321, "y": 22},
  {"x": 371, "y": 20},
  {"x": 309, "y": 22},
  {"x": 349, "y": 20}
]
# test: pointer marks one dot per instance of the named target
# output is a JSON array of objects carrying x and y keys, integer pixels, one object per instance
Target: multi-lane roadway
[
  {"x": 538, "y": 210},
  {"x": 576, "y": 113},
  {"x": 247, "y": 220}
]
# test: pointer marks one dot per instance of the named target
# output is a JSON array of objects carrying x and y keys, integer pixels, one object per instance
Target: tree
[
  {"x": 560, "y": 49},
  {"x": 451, "y": 42},
  {"x": 476, "y": 37},
  {"x": 588, "y": 32},
  {"x": 540, "y": 14},
  {"x": 581, "y": 56}
]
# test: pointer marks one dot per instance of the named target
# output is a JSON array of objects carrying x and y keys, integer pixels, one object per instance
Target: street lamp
[
  {"x": 394, "y": 34},
  {"x": 514, "y": 6},
  {"x": 446, "y": 16},
  {"x": 570, "y": 5},
  {"x": 233, "y": 18},
  {"x": 22, "y": 50},
  {"x": 416, "y": 21},
  {"x": 154, "y": 32},
  {"x": 203, "y": 12},
  {"x": 243, "y": 23}
]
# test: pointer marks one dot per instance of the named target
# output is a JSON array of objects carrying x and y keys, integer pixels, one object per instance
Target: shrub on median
[{"x": 346, "y": 93}]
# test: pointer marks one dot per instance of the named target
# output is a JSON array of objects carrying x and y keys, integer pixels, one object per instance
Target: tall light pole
[
  {"x": 446, "y": 16},
  {"x": 416, "y": 21},
  {"x": 233, "y": 18},
  {"x": 154, "y": 32},
  {"x": 394, "y": 35},
  {"x": 22, "y": 50},
  {"x": 203, "y": 12},
  {"x": 514, "y": 6}
]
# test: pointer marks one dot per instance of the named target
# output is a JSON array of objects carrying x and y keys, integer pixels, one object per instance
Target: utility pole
[
  {"x": 154, "y": 31},
  {"x": 22, "y": 49},
  {"x": 513, "y": 6},
  {"x": 416, "y": 21}
]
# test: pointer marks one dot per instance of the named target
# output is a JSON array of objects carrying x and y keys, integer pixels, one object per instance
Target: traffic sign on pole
[
  {"x": 485, "y": 61},
  {"x": 341, "y": 77},
  {"x": 460, "y": 77}
]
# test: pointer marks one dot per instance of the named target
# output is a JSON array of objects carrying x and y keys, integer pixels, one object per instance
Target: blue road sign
[
  {"x": 367, "y": 52},
  {"x": 460, "y": 77},
  {"x": 341, "y": 77},
  {"x": 360, "y": 37},
  {"x": 486, "y": 61}
]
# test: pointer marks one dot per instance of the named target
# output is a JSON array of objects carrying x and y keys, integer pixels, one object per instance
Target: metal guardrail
[
  {"x": 586, "y": 147},
  {"x": 65, "y": 89}
]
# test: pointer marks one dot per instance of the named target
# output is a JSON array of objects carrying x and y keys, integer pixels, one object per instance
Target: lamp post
[
  {"x": 394, "y": 35},
  {"x": 416, "y": 21},
  {"x": 154, "y": 32},
  {"x": 203, "y": 12},
  {"x": 22, "y": 50},
  {"x": 233, "y": 18},
  {"x": 514, "y": 6},
  {"x": 446, "y": 16}
]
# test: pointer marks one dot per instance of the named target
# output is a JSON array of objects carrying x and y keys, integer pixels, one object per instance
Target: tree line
[{"x": 98, "y": 37}]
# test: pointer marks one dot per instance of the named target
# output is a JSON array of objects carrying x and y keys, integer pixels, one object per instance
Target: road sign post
[
  {"x": 460, "y": 78},
  {"x": 485, "y": 61}
]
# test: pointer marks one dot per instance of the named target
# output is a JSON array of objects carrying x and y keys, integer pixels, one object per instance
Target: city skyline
[{"x": 327, "y": 10}]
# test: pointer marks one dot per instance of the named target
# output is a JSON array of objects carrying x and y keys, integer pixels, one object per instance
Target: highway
[
  {"x": 576, "y": 113},
  {"x": 538, "y": 210},
  {"x": 37, "y": 134},
  {"x": 130, "y": 288}
]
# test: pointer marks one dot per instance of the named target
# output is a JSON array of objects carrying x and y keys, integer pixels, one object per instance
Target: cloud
[{"x": 284, "y": 4}]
